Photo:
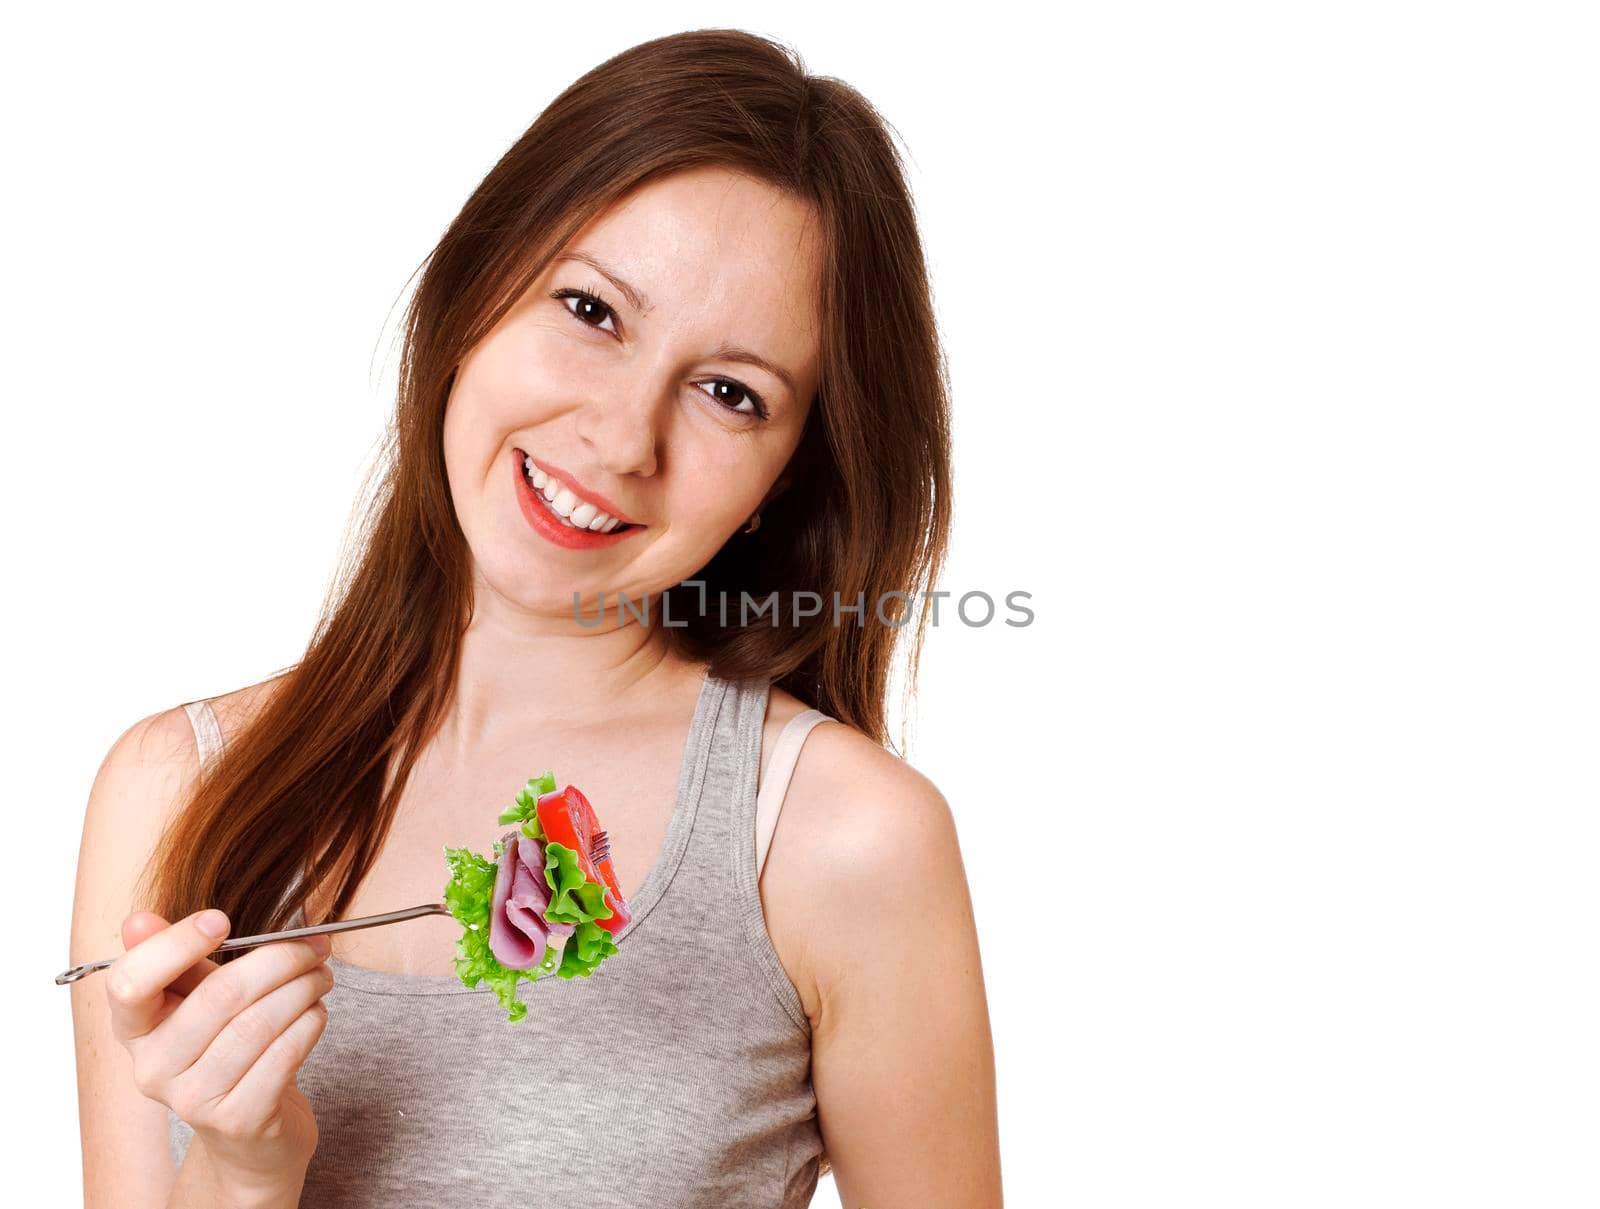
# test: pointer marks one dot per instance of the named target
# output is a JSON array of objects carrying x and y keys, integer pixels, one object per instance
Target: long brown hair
[{"x": 298, "y": 795}]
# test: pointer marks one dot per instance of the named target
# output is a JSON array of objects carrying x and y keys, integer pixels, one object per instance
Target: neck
[{"x": 518, "y": 671}]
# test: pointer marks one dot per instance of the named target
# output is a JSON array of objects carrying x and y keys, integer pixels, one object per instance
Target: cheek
[
  {"x": 540, "y": 360},
  {"x": 500, "y": 389},
  {"x": 722, "y": 484},
  {"x": 499, "y": 396},
  {"x": 709, "y": 511}
]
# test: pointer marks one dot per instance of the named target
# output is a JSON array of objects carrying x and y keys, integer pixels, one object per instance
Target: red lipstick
[
  {"x": 547, "y": 523},
  {"x": 578, "y": 489}
]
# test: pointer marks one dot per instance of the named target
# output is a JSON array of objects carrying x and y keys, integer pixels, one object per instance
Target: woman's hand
[{"x": 220, "y": 1045}]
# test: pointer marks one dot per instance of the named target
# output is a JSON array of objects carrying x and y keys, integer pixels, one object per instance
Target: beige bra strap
[
  {"x": 207, "y": 734},
  {"x": 775, "y": 780}
]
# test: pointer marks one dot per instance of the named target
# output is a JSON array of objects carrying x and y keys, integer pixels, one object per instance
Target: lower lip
[{"x": 545, "y": 522}]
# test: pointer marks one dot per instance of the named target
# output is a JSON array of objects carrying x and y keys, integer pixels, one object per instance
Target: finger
[
  {"x": 228, "y": 993},
  {"x": 270, "y": 1076},
  {"x": 249, "y": 1034},
  {"x": 137, "y": 981},
  {"x": 141, "y": 925}
]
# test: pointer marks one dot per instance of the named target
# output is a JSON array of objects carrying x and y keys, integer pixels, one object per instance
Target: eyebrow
[
  {"x": 728, "y": 352},
  {"x": 637, "y": 300},
  {"x": 732, "y": 352}
]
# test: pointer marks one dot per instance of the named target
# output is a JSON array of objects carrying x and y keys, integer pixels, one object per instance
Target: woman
[{"x": 677, "y": 345}]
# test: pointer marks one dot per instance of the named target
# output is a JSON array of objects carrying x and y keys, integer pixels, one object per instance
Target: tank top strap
[
  {"x": 775, "y": 779},
  {"x": 715, "y": 891},
  {"x": 207, "y": 733}
]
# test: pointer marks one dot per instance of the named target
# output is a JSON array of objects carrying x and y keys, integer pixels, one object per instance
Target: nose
[{"x": 620, "y": 426}]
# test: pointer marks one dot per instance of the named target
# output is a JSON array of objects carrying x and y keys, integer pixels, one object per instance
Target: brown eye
[
  {"x": 737, "y": 398},
  {"x": 590, "y": 310}
]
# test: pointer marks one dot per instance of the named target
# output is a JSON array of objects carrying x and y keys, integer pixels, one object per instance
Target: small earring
[{"x": 755, "y": 523}]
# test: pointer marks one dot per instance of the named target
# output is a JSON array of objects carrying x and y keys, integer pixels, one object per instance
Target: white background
[{"x": 1273, "y": 338}]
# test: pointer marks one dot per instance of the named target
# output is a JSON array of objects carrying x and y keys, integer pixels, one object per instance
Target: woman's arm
[
  {"x": 902, "y": 1058},
  {"x": 127, "y": 1165},
  {"x": 149, "y": 769}
]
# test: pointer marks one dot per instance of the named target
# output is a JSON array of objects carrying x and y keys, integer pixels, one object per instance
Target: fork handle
[{"x": 245, "y": 942}]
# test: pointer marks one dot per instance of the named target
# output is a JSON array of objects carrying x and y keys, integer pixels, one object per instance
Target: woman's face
[{"x": 621, "y": 374}]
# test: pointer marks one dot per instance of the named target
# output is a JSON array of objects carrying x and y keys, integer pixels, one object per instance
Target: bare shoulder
[
  {"x": 865, "y": 811},
  {"x": 847, "y": 785},
  {"x": 840, "y": 751},
  {"x": 871, "y": 913},
  {"x": 158, "y": 744},
  {"x": 145, "y": 778},
  {"x": 861, "y": 830},
  {"x": 148, "y": 774}
]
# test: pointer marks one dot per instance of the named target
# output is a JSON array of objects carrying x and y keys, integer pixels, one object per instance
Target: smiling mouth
[{"x": 566, "y": 507}]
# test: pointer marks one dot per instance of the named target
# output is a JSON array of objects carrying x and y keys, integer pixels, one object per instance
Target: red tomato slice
[
  {"x": 567, "y": 818},
  {"x": 587, "y": 822}
]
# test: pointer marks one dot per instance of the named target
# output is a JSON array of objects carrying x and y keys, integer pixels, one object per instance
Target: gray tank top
[{"x": 677, "y": 1075}]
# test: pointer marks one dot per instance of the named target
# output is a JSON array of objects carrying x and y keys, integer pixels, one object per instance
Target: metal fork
[
  {"x": 245, "y": 942},
  {"x": 600, "y": 850}
]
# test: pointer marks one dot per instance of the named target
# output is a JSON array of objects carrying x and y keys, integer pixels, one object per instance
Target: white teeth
[{"x": 566, "y": 505}]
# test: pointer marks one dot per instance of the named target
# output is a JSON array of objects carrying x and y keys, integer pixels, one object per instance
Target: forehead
[{"x": 708, "y": 245}]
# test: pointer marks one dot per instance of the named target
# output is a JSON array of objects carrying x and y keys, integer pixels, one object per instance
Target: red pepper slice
[{"x": 567, "y": 818}]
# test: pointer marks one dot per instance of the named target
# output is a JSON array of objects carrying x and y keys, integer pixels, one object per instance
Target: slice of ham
[{"x": 518, "y": 930}]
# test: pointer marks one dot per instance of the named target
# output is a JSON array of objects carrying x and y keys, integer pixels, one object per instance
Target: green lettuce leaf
[
  {"x": 586, "y": 948},
  {"x": 573, "y": 898},
  {"x": 471, "y": 886},
  {"x": 525, "y": 807}
]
